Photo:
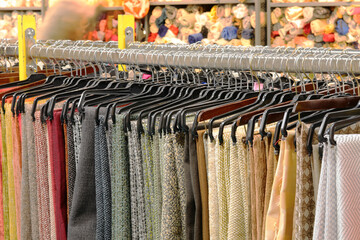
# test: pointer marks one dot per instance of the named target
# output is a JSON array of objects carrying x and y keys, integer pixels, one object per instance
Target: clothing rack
[{"x": 229, "y": 58}]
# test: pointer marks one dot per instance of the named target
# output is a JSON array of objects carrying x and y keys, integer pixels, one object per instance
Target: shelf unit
[
  {"x": 201, "y": 2},
  {"x": 270, "y": 5}
]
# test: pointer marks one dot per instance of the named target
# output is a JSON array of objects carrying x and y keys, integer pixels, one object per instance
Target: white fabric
[{"x": 348, "y": 186}]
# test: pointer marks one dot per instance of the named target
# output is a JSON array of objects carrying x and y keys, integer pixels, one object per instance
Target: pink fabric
[
  {"x": 42, "y": 179},
  {"x": 58, "y": 173},
  {"x": 16, "y": 139}
]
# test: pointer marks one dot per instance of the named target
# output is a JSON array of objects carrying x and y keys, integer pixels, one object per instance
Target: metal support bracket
[
  {"x": 30, "y": 41},
  {"x": 129, "y": 36}
]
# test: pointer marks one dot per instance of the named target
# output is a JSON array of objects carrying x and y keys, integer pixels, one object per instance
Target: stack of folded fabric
[
  {"x": 106, "y": 28},
  {"x": 316, "y": 27},
  {"x": 223, "y": 25},
  {"x": 8, "y": 24}
]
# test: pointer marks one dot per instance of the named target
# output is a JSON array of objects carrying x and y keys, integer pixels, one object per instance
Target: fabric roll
[
  {"x": 204, "y": 31},
  {"x": 57, "y": 164},
  {"x": 321, "y": 13},
  {"x": 203, "y": 182},
  {"x": 240, "y": 11},
  {"x": 330, "y": 28},
  {"x": 293, "y": 13},
  {"x": 341, "y": 27},
  {"x": 248, "y": 33},
  {"x": 262, "y": 19},
  {"x": 347, "y": 176},
  {"x": 226, "y": 21},
  {"x": 329, "y": 37},
  {"x": 277, "y": 27},
  {"x": 246, "y": 22},
  {"x": 161, "y": 20},
  {"x": 174, "y": 30},
  {"x": 220, "y": 11},
  {"x": 229, "y": 33},
  {"x": 273, "y": 18},
  {"x": 120, "y": 183},
  {"x": 162, "y": 31},
  {"x": 171, "y": 12},
  {"x": 82, "y": 219},
  {"x": 318, "y": 26},
  {"x": 277, "y": 12},
  {"x": 319, "y": 38},
  {"x": 308, "y": 13},
  {"x": 194, "y": 38}
]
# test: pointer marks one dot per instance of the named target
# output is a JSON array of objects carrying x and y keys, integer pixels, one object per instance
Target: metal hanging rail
[{"x": 255, "y": 58}]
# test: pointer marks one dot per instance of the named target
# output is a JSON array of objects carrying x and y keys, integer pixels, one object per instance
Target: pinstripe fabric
[
  {"x": 102, "y": 183},
  {"x": 31, "y": 155},
  {"x": 42, "y": 178},
  {"x": 171, "y": 219},
  {"x": 5, "y": 186},
  {"x": 213, "y": 190},
  {"x": 10, "y": 169},
  {"x": 179, "y": 147},
  {"x": 71, "y": 163},
  {"x": 136, "y": 158},
  {"x": 122, "y": 213},
  {"x": 348, "y": 186}
]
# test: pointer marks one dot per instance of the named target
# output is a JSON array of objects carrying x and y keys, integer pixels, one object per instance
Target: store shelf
[
  {"x": 113, "y": 8},
  {"x": 201, "y": 2},
  {"x": 313, "y": 4},
  {"x": 10, "y": 9},
  {"x": 235, "y": 2}
]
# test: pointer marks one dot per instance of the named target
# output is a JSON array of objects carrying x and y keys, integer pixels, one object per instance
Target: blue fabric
[
  {"x": 229, "y": 33},
  {"x": 194, "y": 38},
  {"x": 161, "y": 20},
  {"x": 248, "y": 33},
  {"x": 162, "y": 31},
  {"x": 341, "y": 27}
]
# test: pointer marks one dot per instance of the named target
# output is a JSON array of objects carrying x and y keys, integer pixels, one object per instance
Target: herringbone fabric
[
  {"x": 120, "y": 184},
  {"x": 100, "y": 218},
  {"x": 71, "y": 164},
  {"x": 348, "y": 186}
]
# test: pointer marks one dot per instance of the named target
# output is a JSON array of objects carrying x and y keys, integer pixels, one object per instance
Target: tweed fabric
[
  {"x": 16, "y": 138},
  {"x": 260, "y": 174},
  {"x": 5, "y": 186},
  {"x": 77, "y": 138},
  {"x": 148, "y": 183},
  {"x": 71, "y": 169},
  {"x": 194, "y": 171},
  {"x": 122, "y": 213},
  {"x": 179, "y": 147},
  {"x": 213, "y": 189},
  {"x": 1, "y": 194},
  {"x": 250, "y": 154},
  {"x": 137, "y": 170},
  {"x": 237, "y": 226},
  {"x": 102, "y": 183},
  {"x": 304, "y": 212},
  {"x": 157, "y": 164},
  {"x": 203, "y": 182},
  {"x": 10, "y": 170},
  {"x": 347, "y": 186},
  {"x": 171, "y": 219},
  {"x": 82, "y": 219},
  {"x": 42, "y": 178},
  {"x": 190, "y": 197},
  {"x": 31, "y": 155}
]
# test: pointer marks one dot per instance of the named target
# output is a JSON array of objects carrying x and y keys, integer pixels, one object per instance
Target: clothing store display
[{"x": 184, "y": 154}]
